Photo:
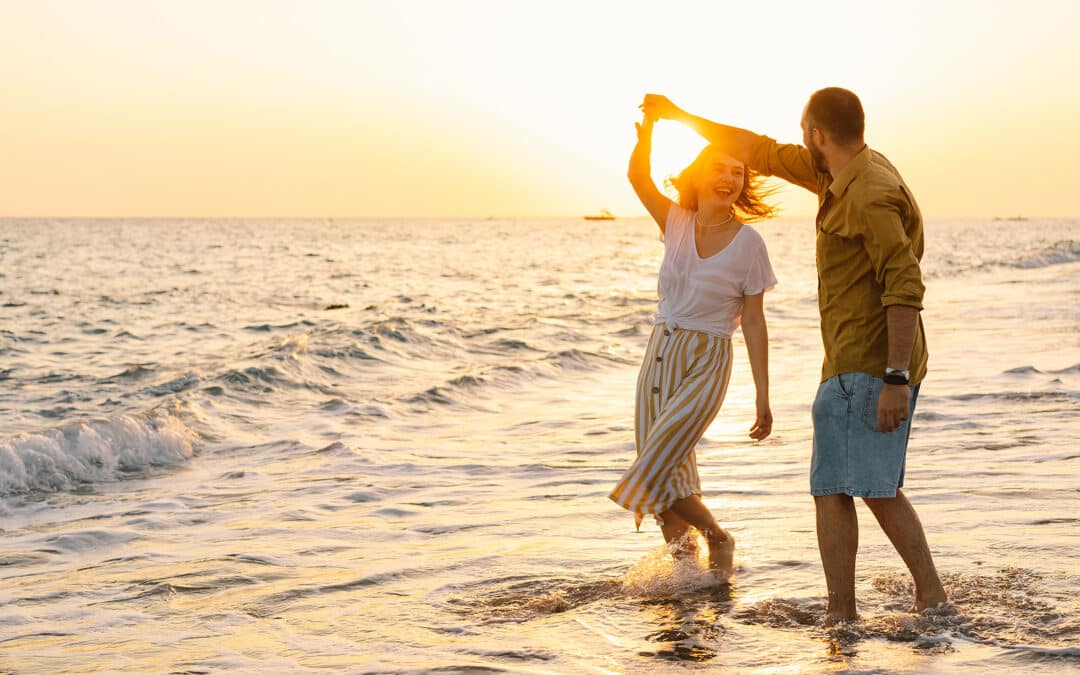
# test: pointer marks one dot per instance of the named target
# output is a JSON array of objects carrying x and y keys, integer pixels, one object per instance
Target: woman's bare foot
[
  {"x": 722, "y": 555},
  {"x": 684, "y": 548}
]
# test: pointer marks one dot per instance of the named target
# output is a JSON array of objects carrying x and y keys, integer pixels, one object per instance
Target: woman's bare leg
[
  {"x": 678, "y": 536},
  {"x": 721, "y": 544}
]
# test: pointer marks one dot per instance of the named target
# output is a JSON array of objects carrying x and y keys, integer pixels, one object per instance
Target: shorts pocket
[
  {"x": 870, "y": 392},
  {"x": 846, "y": 384}
]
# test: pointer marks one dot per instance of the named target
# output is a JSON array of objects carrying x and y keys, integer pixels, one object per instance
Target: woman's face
[{"x": 721, "y": 181}]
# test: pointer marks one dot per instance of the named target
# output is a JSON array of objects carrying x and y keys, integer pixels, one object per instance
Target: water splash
[{"x": 663, "y": 575}]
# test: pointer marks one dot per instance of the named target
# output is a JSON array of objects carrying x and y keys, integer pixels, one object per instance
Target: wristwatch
[{"x": 897, "y": 376}]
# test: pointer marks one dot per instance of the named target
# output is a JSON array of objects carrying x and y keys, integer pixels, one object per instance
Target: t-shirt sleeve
[{"x": 760, "y": 276}]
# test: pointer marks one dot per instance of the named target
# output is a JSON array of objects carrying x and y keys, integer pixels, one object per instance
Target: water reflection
[{"x": 688, "y": 629}]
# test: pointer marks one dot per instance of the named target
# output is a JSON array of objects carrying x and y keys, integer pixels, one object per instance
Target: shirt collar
[{"x": 841, "y": 181}]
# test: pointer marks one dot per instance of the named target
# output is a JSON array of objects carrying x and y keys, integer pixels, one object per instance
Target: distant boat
[
  {"x": 1018, "y": 219},
  {"x": 603, "y": 215}
]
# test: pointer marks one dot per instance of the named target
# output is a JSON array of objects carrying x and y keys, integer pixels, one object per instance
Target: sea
[{"x": 386, "y": 445}]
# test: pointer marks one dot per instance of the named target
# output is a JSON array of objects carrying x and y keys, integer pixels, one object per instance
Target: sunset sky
[{"x": 507, "y": 108}]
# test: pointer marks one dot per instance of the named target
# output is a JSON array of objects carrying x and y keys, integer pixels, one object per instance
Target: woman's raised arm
[{"x": 640, "y": 175}]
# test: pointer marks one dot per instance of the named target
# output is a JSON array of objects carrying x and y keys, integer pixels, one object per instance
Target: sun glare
[{"x": 674, "y": 147}]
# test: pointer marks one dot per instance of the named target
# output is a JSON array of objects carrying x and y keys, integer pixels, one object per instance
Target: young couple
[{"x": 713, "y": 277}]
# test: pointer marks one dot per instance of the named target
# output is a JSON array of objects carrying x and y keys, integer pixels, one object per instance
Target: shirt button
[
  {"x": 666, "y": 333},
  {"x": 656, "y": 390},
  {"x": 659, "y": 359}
]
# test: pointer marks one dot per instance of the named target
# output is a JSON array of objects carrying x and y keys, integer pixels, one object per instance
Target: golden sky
[{"x": 511, "y": 107}]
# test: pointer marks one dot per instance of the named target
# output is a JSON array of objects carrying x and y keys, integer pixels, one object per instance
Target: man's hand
[
  {"x": 763, "y": 424},
  {"x": 894, "y": 406},
  {"x": 659, "y": 107}
]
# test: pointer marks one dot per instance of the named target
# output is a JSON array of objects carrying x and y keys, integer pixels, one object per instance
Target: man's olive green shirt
[{"x": 869, "y": 244}]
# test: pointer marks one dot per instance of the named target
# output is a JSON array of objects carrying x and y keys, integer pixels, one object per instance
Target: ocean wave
[
  {"x": 578, "y": 359},
  {"x": 1064, "y": 251},
  {"x": 1057, "y": 396},
  {"x": 400, "y": 337},
  {"x": 292, "y": 346},
  {"x": 512, "y": 344},
  {"x": 92, "y": 451},
  {"x": 1058, "y": 253},
  {"x": 461, "y": 389},
  {"x": 434, "y": 395},
  {"x": 348, "y": 352},
  {"x": 133, "y": 372},
  {"x": 269, "y": 328},
  {"x": 257, "y": 379},
  {"x": 526, "y": 597},
  {"x": 1073, "y": 369},
  {"x": 175, "y": 386},
  {"x": 400, "y": 329},
  {"x": 351, "y": 366},
  {"x": 458, "y": 391},
  {"x": 1023, "y": 370}
]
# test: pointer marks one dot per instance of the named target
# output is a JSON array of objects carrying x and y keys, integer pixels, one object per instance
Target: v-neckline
[{"x": 697, "y": 253}]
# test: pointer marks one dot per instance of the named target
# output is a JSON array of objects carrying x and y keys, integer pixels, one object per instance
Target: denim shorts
[{"x": 850, "y": 455}]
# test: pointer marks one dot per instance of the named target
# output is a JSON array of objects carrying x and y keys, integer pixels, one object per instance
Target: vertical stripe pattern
[{"x": 680, "y": 388}]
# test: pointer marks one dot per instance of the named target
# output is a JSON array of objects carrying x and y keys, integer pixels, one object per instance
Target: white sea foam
[{"x": 92, "y": 451}]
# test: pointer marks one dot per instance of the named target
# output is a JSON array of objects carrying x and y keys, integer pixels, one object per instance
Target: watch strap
[{"x": 897, "y": 376}]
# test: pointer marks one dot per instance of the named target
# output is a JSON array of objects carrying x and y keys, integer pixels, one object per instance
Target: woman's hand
[
  {"x": 644, "y": 129},
  {"x": 763, "y": 424},
  {"x": 658, "y": 107}
]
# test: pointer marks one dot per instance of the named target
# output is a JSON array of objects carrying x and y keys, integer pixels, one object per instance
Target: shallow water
[{"x": 202, "y": 466}]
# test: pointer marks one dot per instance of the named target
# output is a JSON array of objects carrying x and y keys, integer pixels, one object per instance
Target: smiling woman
[{"x": 714, "y": 273}]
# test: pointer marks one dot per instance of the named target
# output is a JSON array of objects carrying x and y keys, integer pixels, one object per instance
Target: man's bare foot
[
  {"x": 833, "y": 618},
  {"x": 722, "y": 555},
  {"x": 935, "y": 600}
]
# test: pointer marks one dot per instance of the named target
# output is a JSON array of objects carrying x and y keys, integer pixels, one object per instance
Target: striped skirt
[{"x": 680, "y": 388}]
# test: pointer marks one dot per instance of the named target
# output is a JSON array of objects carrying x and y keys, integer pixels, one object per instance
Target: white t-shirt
[{"x": 707, "y": 294}]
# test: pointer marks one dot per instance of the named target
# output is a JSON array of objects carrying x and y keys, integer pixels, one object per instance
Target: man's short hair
[{"x": 837, "y": 112}]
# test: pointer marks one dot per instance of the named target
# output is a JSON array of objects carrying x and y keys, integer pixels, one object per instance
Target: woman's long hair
[{"x": 749, "y": 206}]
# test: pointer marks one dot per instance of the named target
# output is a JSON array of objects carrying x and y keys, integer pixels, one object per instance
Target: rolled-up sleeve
[
  {"x": 784, "y": 160},
  {"x": 891, "y": 253}
]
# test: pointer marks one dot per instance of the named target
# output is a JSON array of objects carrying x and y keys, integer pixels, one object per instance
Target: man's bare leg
[
  {"x": 677, "y": 535},
  {"x": 901, "y": 524},
  {"x": 838, "y": 543},
  {"x": 721, "y": 544}
]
